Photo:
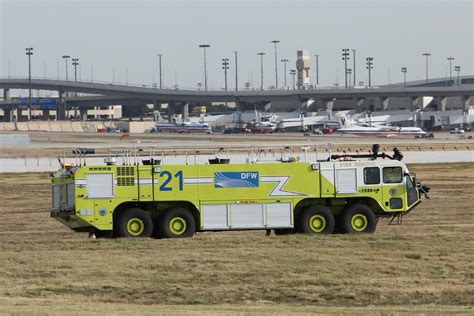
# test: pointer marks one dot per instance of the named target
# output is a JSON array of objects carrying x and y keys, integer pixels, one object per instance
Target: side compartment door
[
  {"x": 346, "y": 180},
  {"x": 101, "y": 189},
  {"x": 145, "y": 181}
]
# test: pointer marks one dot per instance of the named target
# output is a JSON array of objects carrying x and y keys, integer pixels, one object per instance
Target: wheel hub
[
  {"x": 317, "y": 223},
  {"x": 359, "y": 222},
  {"x": 135, "y": 226},
  {"x": 177, "y": 225}
]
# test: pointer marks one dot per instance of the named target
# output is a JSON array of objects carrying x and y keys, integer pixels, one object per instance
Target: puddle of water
[{"x": 44, "y": 164}]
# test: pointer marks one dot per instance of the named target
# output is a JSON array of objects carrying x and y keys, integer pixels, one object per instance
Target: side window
[
  {"x": 392, "y": 175},
  {"x": 371, "y": 175}
]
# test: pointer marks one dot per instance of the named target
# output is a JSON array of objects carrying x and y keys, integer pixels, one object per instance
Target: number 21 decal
[{"x": 167, "y": 177}]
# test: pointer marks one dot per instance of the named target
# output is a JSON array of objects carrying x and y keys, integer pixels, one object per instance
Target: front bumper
[{"x": 69, "y": 218}]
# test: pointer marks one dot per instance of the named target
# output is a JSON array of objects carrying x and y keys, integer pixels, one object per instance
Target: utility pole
[
  {"x": 284, "y": 61},
  {"x": 370, "y": 64},
  {"x": 354, "y": 65},
  {"x": 236, "y": 71},
  {"x": 345, "y": 57},
  {"x": 426, "y": 56},
  {"x": 225, "y": 66},
  {"x": 317, "y": 70},
  {"x": 204, "y": 46},
  {"x": 261, "y": 69},
  {"x": 404, "y": 70},
  {"x": 29, "y": 52},
  {"x": 276, "y": 64},
  {"x": 293, "y": 73},
  {"x": 159, "y": 70},
  {"x": 450, "y": 59}
]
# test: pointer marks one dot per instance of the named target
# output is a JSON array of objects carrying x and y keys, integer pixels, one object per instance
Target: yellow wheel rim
[
  {"x": 135, "y": 226},
  {"x": 317, "y": 223},
  {"x": 177, "y": 225},
  {"x": 359, "y": 222}
]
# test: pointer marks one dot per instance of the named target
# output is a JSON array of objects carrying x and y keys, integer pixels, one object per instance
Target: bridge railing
[{"x": 155, "y": 85}]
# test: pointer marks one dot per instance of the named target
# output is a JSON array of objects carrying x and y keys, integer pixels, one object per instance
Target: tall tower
[{"x": 303, "y": 63}]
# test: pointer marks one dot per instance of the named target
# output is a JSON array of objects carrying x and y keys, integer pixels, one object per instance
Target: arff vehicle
[{"x": 345, "y": 193}]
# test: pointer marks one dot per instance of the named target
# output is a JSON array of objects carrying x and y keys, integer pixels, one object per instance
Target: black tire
[
  {"x": 358, "y": 218},
  {"x": 283, "y": 231},
  {"x": 181, "y": 219},
  {"x": 315, "y": 219},
  {"x": 133, "y": 222}
]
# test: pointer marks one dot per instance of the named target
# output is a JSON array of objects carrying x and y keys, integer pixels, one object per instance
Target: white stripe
[
  {"x": 80, "y": 182},
  {"x": 198, "y": 181},
  {"x": 145, "y": 181},
  {"x": 281, "y": 182}
]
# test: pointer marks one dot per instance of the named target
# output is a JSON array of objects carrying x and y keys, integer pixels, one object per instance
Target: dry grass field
[{"x": 424, "y": 266}]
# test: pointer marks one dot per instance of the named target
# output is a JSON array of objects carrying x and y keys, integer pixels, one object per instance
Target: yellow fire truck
[{"x": 345, "y": 193}]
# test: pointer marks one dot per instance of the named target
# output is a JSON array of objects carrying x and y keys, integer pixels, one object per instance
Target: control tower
[{"x": 303, "y": 63}]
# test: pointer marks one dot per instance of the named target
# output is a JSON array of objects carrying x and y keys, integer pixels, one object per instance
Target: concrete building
[{"x": 303, "y": 65}]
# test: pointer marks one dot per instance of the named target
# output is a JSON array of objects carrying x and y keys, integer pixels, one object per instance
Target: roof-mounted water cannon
[
  {"x": 373, "y": 155},
  {"x": 218, "y": 160}
]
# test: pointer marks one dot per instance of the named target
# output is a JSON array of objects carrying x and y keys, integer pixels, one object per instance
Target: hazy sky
[{"x": 129, "y": 34}]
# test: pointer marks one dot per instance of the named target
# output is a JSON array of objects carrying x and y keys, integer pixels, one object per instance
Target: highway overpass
[{"x": 106, "y": 94}]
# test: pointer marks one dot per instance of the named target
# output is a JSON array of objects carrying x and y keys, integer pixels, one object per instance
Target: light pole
[
  {"x": 404, "y": 70},
  {"x": 349, "y": 73},
  {"x": 261, "y": 69},
  {"x": 458, "y": 69},
  {"x": 29, "y": 52},
  {"x": 450, "y": 59},
  {"x": 75, "y": 63},
  {"x": 293, "y": 73},
  {"x": 236, "y": 71},
  {"x": 276, "y": 64},
  {"x": 317, "y": 70},
  {"x": 426, "y": 56},
  {"x": 159, "y": 70},
  {"x": 345, "y": 57},
  {"x": 284, "y": 61},
  {"x": 370, "y": 65},
  {"x": 204, "y": 46},
  {"x": 65, "y": 57},
  {"x": 225, "y": 66},
  {"x": 354, "y": 65}
]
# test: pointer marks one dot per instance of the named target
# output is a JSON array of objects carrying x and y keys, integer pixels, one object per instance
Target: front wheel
[
  {"x": 133, "y": 222},
  {"x": 176, "y": 222},
  {"x": 358, "y": 218},
  {"x": 316, "y": 219}
]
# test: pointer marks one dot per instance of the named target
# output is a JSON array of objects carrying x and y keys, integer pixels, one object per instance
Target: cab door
[{"x": 393, "y": 189}]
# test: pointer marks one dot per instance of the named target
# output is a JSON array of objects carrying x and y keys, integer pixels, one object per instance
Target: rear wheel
[
  {"x": 176, "y": 222},
  {"x": 316, "y": 219},
  {"x": 358, "y": 218},
  {"x": 133, "y": 222}
]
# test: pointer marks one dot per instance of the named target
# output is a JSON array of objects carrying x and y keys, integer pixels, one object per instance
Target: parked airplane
[
  {"x": 263, "y": 125},
  {"x": 179, "y": 126},
  {"x": 385, "y": 131}
]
